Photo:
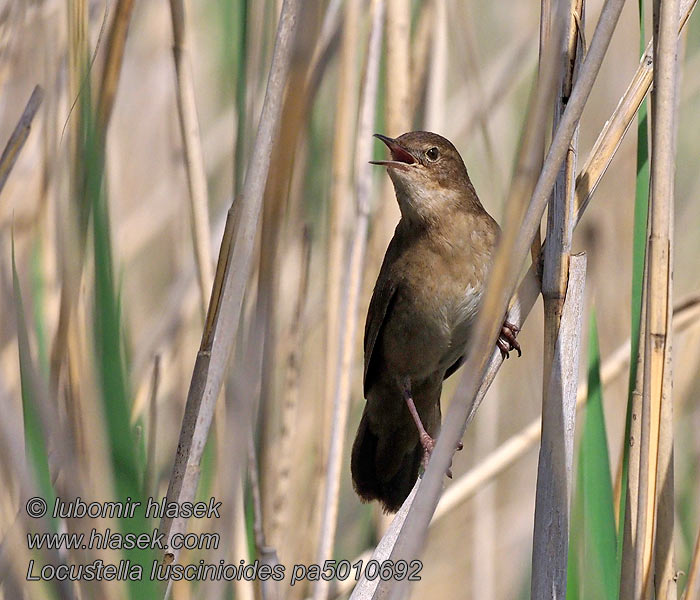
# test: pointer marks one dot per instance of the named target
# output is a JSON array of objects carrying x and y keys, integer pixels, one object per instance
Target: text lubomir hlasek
[{"x": 78, "y": 509}]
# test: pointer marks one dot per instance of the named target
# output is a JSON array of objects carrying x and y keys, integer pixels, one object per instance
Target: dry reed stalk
[
  {"x": 398, "y": 55},
  {"x": 279, "y": 518},
  {"x": 501, "y": 286},
  {"x": 617, "y": 125},
  {"x": 325, "y": 42},
  {"x": 255, "y": 36},
  {"x": 349, "y": 315},
  {"x": 149, "y": 479},
  {"x": 554, "y": 475},
  {"x": 192, "y": 147},
  {"x": 232, "y": 274},
  {"x": 629, "y": 530},
  {"x": 116, "y": 42},
  {"x": 288, "y": 158},
  {"x": 281, "y": 210},
  {"x": 655, "y": 451},
  {"x": 420, "y": 49},
  {"x": 528, "y": 162},
  {"x": 398, "y": 76},
  {"x": 366, "y": 589},
  {"x": 78, "y": 57},
  {"x": 560, "y": 212},
  {"x": 68, "y": 344},
  {"x": 597, "y": 163},
  {"x": 232, "y": 451},
  {"x": 19, "y": 135},
  {"x": 71, "y": 269},
  {"x": 269, "y": 588},
  {"x": 692, "y": 586},
  {"x": 665, "y": 573},
  {"x": 483, "y": 544},
  {"x": 538, "y": 144},
  {"x": 436, "y": 85},
  {"x": 304, "y": 81},
  {"x": 340, "y": 197}
]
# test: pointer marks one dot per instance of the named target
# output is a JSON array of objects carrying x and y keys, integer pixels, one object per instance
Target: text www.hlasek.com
[{"x": 122, "y": 541}]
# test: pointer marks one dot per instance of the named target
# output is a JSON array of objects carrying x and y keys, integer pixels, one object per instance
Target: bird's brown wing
[{"x": 380, "y": 306}]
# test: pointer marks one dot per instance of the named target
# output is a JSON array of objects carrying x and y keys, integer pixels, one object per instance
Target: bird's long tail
[{"x": 380, "y": 469}]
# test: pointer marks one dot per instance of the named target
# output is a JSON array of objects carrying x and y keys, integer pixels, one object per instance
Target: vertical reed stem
[
  {"x": 656, "y": 474},
  {"x": 554, "y": 475}
]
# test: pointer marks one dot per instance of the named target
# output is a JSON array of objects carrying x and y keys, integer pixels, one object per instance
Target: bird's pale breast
[{"x": 431, "y": 319}]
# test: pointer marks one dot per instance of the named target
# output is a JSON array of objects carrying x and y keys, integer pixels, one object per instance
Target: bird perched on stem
[{"x": 421, "y": 314}]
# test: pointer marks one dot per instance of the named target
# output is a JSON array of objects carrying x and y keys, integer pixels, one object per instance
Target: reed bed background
[{"x": 134, "y": 363}]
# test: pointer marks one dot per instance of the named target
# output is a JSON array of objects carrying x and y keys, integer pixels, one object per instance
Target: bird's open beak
[{"x": 400, "y": 157}]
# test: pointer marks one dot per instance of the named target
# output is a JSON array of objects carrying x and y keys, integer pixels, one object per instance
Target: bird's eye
[{"x": 432, "y": 154}]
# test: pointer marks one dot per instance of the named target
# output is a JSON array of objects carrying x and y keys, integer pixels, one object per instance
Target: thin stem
[
  {"x": 192, "y": 146},
  {"x": 19, "y": 135},
  {"x": 149, "y": 474},
  {"x": 656, "y": 472},
  {"x": 116, "y": 42},
  {"x": 286, "y": 455}
]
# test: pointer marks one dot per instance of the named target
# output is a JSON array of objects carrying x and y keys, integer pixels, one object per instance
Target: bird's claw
[
  {"x": 506, "y": 340},
  {"x": 428, "y": 444}
]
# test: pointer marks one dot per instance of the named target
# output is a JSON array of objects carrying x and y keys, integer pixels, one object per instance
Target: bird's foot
[
  {"x": 428, "y": 444},
  {"x": 425, "y": 438},
  {"x": 506, "y": 340}
]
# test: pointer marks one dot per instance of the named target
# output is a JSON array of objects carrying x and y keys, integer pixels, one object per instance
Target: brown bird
[{"x": 421, "y": 314}]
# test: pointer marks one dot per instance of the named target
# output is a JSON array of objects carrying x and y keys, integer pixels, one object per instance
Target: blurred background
[{"x": 472, "y": 64}]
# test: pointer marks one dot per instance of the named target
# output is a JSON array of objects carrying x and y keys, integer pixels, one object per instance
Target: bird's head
[{"x": 428, "y": 173}]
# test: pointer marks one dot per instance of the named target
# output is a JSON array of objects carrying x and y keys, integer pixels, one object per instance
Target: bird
[{"x": 422, "y": 312}]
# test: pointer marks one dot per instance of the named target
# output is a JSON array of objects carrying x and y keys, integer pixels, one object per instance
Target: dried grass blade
[
  {"x": 192, "y": 145},
  {"x": 19, "y": 135},
  {"x": 116, "y": 42}
]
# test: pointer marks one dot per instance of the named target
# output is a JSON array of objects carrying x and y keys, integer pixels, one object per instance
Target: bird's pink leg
[{"x": 426, "y": 440}]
